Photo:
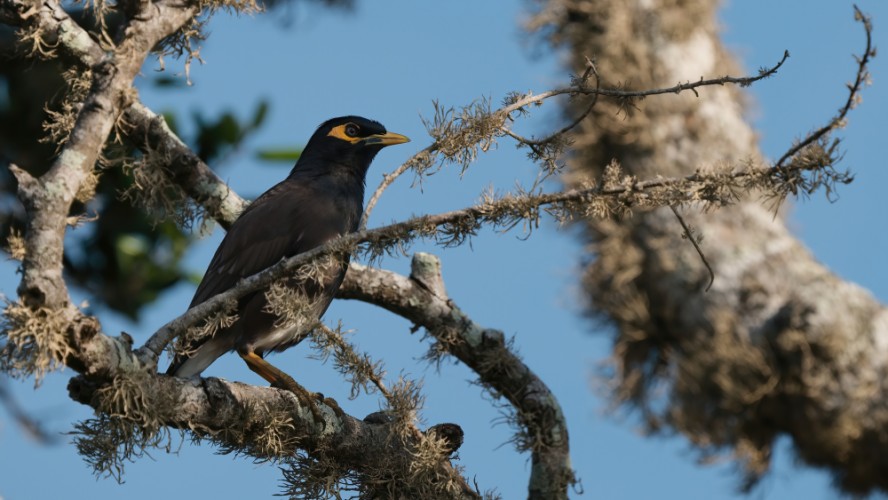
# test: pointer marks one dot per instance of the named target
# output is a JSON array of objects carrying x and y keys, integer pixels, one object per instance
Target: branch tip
[{"x": 425, "y": 269}]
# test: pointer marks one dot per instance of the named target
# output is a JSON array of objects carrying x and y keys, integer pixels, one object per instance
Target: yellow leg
[{"x": 281, "y": 380}]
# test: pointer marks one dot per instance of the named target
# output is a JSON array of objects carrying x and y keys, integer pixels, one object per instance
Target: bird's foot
[
  {"x": 281, "y": 380},
  {"x": 307, "y": 398},
  {"x": 332, "y": 404},
  {"x": 310, "y": 399}
]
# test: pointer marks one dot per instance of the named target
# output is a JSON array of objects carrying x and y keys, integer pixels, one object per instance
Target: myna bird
[{"x": 321, "y": 199}]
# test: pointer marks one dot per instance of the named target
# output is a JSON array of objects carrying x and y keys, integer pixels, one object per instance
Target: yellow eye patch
[{"x": 339, "y": 133}]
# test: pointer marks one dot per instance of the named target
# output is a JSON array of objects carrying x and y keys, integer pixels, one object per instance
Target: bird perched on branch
[{"x": 321, "y": 199}]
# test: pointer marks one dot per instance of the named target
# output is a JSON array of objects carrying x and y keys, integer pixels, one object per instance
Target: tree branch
[
  {"x": 854, "y": 90},
  {"x": 151, "y": 134},
  {"x": 148, "y": 131},
  {"x": 48, "y": 200},
  {"x": 518, "y": 103},
  {"x": 453, "y": 227},
  {"x": 422, "y": 299},
  {"x": 780, "y": 345},
  {"x": 267, "y": 423}
]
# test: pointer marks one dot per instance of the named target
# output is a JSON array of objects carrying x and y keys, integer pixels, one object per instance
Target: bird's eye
[{"x": 351, "y": 130}]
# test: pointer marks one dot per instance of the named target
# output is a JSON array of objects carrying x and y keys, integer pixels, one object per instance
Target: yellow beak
[{"x": 387, "y": 139}]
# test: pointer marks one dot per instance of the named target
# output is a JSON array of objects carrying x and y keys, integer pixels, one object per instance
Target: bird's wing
[
  {"x": 276, "y": 225},
  {"x": 287, "y": 220}
]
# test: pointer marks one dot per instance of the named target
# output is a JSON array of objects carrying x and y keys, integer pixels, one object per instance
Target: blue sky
[{"x": 388, "y": 61}]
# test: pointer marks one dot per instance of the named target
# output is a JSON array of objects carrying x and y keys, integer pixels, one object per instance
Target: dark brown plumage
[{"x": 321, "y": 199}]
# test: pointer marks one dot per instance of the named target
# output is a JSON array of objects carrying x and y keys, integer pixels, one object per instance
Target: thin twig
[
  {"x": 854, "y": 90},
  {"x": 591, "y": 69},
  {"x": 743, "y": 81},
  {"x": 575, "y": 89},
  {"x": 388, "y": 179},
  {"x": 345, "y": 349},
  {"x": 690, "y": 235}
]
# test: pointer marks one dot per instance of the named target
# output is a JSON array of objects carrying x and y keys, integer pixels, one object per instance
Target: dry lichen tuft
[
  {"x": 129, "y": 423},
  {"x": 153, "y": 190},
  {"x": 15, "y": 245},
  {"x": 263, "y": 434},
  {"x": 107, "y": 443},
  {"x": 60, "y": 121},
  {"x": 35, "y": 341},
  {"x": 291, "y": 306},
  {"x": 424, "y": 469},
  {"x": 223, "y": 318},
  {"x": 359, "y": 369},
  {"x": 460, "y": 134},
  {"x": 317, "y": 476},
  {"x": 31, "y": 38}
]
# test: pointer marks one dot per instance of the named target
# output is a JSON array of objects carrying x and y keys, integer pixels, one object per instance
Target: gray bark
[
  {"x": 422, "y": 298},
  {"x": 779, "y": 345}
]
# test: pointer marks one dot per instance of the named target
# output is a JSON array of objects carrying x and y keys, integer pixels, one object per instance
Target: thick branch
[
  {"x": 780, "y": 345},
  {"x": 421, "y": 298},
  {"x": 49, "y": 198},
  {"x": 266, "y": 422},
  {"x": 151, "y": 134}
]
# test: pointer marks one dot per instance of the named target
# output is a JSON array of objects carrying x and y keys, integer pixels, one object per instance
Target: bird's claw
[
  {"x": 332, "y": 404},
  {"x": 310, "y": 399}
]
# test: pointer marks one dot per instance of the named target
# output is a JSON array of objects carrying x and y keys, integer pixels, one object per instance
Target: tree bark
[
  {"x": 422, "y": 299},
  {"x": 779, "y": 345}
]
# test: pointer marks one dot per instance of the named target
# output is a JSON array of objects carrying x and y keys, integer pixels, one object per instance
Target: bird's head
[{"x": 349, "y": 142}]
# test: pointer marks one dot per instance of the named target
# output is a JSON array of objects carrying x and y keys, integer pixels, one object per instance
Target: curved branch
[
  {"x": 854, "y": 90},
  {"x": 422, "y": 299}
]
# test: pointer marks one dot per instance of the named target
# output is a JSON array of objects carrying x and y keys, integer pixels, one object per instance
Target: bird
[{"x": 321, "y": 199}]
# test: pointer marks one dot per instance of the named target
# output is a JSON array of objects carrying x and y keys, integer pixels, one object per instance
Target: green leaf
[
  {"x": 279, "y": 154},
  {"x": 260, "y": 114}
]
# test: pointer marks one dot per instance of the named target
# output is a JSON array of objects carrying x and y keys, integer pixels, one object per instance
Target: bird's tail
[{"x": 206, "y": 353}]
